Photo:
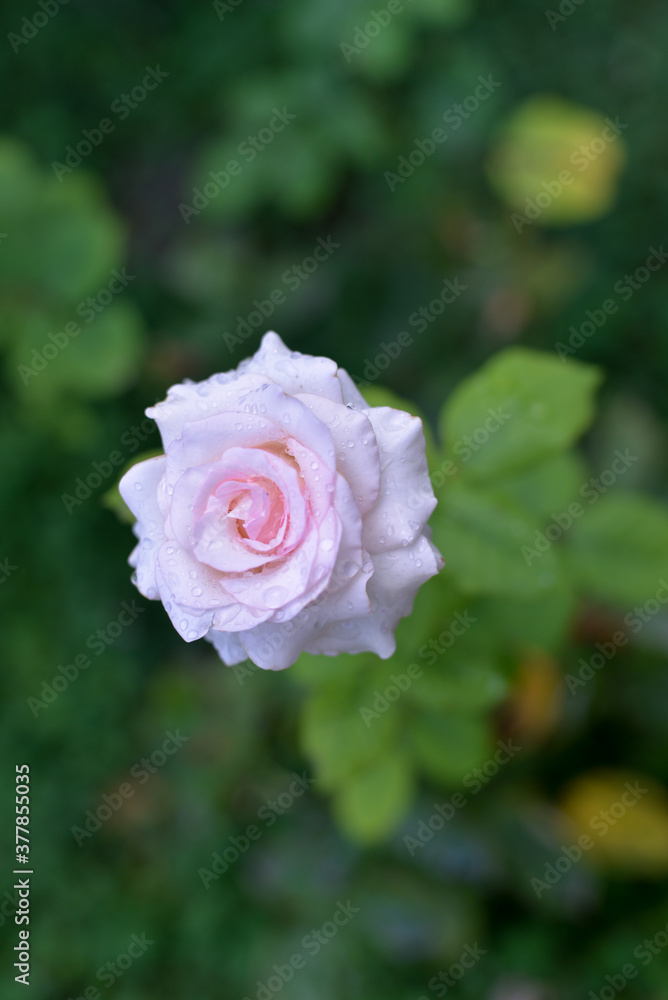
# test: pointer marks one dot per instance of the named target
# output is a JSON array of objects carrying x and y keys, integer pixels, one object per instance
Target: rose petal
[
  {"x": 406, "y": 498},
  {"x": 357, "y": 453}
]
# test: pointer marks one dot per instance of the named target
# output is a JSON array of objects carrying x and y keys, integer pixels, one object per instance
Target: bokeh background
[{"x": 126, "y": 266}]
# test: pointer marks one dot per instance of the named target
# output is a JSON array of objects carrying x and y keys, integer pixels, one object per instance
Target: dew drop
[
  {"x": 196, "y": 591},
  {"x": 138, "y": 486},
  {"x": 275, "y": 596},
  {"x": 184, "y": 624},
  {"x": 192, "y": 634}
]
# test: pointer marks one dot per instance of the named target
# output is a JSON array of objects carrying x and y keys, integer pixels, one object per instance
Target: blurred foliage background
[{"x": 166, "y": 173}]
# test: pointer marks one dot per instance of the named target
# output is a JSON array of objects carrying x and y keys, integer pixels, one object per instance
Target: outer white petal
[
  {"x": 294, "y": 372},
  {"x": 227, "y": 646},
  {"x": 139, "y": 488},
  {"x": 406, "y": 497},
  {"x": 191, "y": 401}
]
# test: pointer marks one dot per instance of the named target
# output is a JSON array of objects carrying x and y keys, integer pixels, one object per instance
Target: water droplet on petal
[
  {"x": 275, "y": 596},
  {"x": 196, "y": 591},
  {"x": 138, "y": 486}
]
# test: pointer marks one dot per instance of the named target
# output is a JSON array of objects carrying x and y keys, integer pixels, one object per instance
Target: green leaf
[
  {"x": 546, "y": 488},
  {"x": 542, "y": 622},
  {"x": 374, "y": 800},
  {"x": 335, "y": 736},
  {"x": 448, "y": 746},
  {"x": 466, "y": 683},
  {"x": 99, "y": 360},
  {"x": 618, "y": 550},
  {"x": 521, "y": 407},
  {"x": 484, "y": 538}
]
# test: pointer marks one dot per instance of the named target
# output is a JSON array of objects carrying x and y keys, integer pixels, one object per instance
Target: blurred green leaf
[
  {"x": 447, "y": 746},
  {"x": 521, "y": 407},
  {"x": 374, "y": 800},
  {"x": 619, "y": 549},
  {"x": 484, "y": 537}
]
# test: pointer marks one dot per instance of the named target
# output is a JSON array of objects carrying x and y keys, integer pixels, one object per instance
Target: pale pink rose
[{"x": 278, "y": 520}]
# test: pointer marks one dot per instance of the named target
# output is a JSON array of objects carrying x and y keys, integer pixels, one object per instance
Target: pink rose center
[{"x": 257, "y": 506}]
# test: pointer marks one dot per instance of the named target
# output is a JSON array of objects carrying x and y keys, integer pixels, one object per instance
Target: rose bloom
[{"x": 278, "y": 520}]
